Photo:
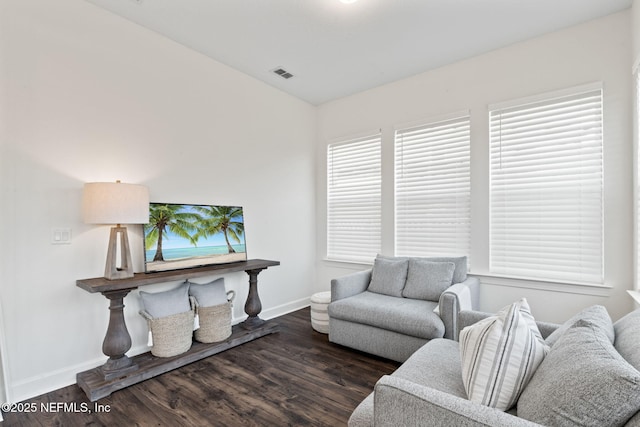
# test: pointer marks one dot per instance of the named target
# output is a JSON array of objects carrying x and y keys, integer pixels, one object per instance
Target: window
[
  {"x": 433, "y": 189},
  {"x": 546, "y": 188},
  {"x": 354, "y": 199}
]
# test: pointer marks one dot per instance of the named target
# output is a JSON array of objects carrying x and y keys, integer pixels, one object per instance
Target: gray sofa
[
  {"x": 428, "y": 388},
  {"x": 403, "y": 302}
]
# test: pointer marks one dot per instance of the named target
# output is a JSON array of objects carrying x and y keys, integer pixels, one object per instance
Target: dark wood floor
[{"x": 292, "y": 378}]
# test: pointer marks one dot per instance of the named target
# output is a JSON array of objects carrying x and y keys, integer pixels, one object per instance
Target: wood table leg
[
  {"x": 253, "y": 306},
  {"x": 117, "y": 341}
]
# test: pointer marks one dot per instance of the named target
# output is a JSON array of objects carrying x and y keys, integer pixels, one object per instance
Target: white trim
[
  {"x": 566, "y": 288},
  {"x": 636, "y": 66},
  {"x": 427, "y": 121},
  {"x": 348, "y": 263},
  {"x": 636, "y": 174},
  {"x": 45, "y": 383},
  {"x": 5, "y": 396},
  {"x": 350, "y": 138},
  {"x": 286, "y": 308},
  {"x": 547, "y": 96},
  {"x": 635, "y": 295}
]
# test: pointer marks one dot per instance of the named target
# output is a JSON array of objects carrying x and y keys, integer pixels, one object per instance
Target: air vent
[{"x": 283, "y": 73}]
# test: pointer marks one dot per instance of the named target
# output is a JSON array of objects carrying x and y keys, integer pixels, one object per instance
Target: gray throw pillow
[
  {"x": 628, "y": 338},
  {"x": 583, "y": 381},
  {"x": 209, "y": 294},
  {"x": 459, "y": 274},
  {"x": 596, "y": 314},
  {"x": 388, "y": 277},
  {"x": 167, "y": 303},
  {"x": 427, "y": 280}
]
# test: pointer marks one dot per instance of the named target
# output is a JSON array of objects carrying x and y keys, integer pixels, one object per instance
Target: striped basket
[
  {"x": 172, "y": 335},
  {"x": 215, "y": 321}
]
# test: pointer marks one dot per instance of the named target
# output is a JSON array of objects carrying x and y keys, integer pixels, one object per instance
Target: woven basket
[
  {"x": 172, "y": 335},
  {"x": 215, "y": 321}
]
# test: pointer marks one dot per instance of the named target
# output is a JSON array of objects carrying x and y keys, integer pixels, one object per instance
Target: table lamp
[{"x": 116, "y": 203}]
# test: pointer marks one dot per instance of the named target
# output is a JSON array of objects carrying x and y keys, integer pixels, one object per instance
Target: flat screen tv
[{"x": 186, "y": 236}]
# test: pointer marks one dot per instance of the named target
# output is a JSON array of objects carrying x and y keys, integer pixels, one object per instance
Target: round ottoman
[{"x": 319, "y": 314}]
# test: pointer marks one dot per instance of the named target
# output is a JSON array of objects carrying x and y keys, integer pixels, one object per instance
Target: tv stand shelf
[{"x": 120, "y": 371}]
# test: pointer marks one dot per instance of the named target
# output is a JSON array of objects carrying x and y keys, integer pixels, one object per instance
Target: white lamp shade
[{"x": 115, "y": 203}]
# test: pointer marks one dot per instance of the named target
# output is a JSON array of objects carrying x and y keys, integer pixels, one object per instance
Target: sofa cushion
[
  {"x": 362, "y": 416},
  {"x": 583, "y": 381},
  {"x": 500, "y": 355},
  {"x": 627, "y": 340},
  {"x": 436, "y": 365},
  {"x": 388, "y": 276},
  {"x": 596, "y": 314},
  {"x": 459, "y": 274},
  {"x": 427, "y": 280},
  {"x": 166, "y": 303},
  {"x": 209, "y": 294},
  {"x": 403, "y": 315}
]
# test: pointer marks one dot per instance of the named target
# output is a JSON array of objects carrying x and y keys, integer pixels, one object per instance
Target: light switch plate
[{"x": 60, "y": 236}]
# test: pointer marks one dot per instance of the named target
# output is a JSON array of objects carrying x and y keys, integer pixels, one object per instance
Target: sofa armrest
[
  {"x": 399, "y": 402},
  {"x": 349, "y": 285},
  {"x": 469, "y": 317},
  {"x": 461, "y": 296}
]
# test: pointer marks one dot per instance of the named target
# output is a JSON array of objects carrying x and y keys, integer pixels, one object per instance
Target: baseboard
[
  {"x": 287, "y": 308},
  {"x": 41, "y": 384}
]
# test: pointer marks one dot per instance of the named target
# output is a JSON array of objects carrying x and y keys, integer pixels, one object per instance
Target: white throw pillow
[{"x": 500, "y": 355}]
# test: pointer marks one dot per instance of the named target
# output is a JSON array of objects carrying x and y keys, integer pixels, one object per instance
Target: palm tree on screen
[
  {"x": 171, "y": 218},
  {"x": 227, "y": 220}
]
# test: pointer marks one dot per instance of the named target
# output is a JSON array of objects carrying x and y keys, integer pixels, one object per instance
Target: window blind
[
  {"x": 354, "y": 199},
  {"x": 547, "y": 189},
  {"x": 433, "y": 189}
]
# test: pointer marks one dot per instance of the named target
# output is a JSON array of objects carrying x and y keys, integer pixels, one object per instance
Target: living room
[{"x": 89, "y": 96}]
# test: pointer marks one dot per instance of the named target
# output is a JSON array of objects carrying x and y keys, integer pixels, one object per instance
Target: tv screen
[{"x": 186, "y": 236}]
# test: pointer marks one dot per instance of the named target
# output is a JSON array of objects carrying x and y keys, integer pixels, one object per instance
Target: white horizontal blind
[
  {"x": 354, "y": 199},
  {"x": 433, "y": 189},
  {"x": 547, "y": 189}
]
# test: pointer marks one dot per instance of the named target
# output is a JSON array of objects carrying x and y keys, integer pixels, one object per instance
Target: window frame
[
  {"x": 338, "y": 199},
  {"x": 415, "y": 160},
  {"x": 559, "y": 275}
]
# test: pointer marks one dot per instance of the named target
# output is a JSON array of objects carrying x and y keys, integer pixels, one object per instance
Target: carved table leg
[
  {"x": 253, "y": 306},
  {"x": 117, "y": 341}
]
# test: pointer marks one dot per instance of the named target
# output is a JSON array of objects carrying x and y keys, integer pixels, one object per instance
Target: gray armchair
[{"x": 391, "y": 325}]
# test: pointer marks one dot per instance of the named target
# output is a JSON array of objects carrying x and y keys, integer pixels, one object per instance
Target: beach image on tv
[{"x": 185, "y": 236}]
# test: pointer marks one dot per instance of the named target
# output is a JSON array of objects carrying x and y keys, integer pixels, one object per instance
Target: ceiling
[{"x": 335, "y": 49}]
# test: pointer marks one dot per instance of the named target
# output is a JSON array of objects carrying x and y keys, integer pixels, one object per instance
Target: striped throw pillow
[{"x": 500, "y": 355}]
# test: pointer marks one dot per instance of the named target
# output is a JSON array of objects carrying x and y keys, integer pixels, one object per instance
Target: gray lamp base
[{"x": 112, "y": 271}]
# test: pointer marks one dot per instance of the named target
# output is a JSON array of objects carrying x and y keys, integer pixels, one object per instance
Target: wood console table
[{"x": 121, "y": 371}]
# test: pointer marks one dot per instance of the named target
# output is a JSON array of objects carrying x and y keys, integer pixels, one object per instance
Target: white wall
[
  {"x": 595, "y": 51},
  {"x": 635, "y": 31},
  {"x": 87, "y": 96}
]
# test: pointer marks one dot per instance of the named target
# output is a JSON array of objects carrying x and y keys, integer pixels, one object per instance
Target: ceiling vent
[{"x": 283, "y": 73}]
